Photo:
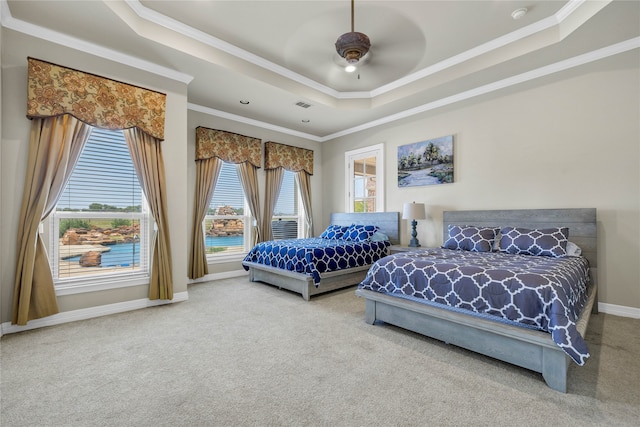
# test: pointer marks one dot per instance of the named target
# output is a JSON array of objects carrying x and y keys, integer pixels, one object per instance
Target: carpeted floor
[{"x": 248, "y": 354}]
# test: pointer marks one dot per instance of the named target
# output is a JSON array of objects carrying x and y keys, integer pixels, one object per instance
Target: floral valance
[
  {"x": 54, "y": 90},
  {"x": 294, "y": 159},
  {"x": 227, "y": 146}
]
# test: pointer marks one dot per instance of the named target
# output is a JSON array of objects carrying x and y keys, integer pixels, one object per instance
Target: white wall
[
  {"x": 568, "y": 141},
  {"x": 178, "y": 151},
  {"x": 572, "y": 140},
  {"x": 197, "y": 118},
  {"x": 14, "y": 150}
]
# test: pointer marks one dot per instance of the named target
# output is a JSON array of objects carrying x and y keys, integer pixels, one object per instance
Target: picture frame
[{"x": 428, "y": 162}]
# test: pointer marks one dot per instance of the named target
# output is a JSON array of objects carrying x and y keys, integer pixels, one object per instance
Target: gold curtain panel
[
  {"x": 227, "y": 146},
  {"x": 294, "y": 159},
  {"x": 54, "y": 90}
]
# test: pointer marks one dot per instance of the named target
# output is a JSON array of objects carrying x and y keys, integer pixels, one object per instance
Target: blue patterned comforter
[
  {"x": 536, "y": 291},
  {"x": 314, "y": 255}
]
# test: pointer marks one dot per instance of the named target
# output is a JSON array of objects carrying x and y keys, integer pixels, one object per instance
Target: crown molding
[
  {"x": 566, "y": 64},
  {"x": 492, "y": 45},
  {"x": 8, "y": 21},
  {"x": 500, "y": 84},
  {"x": 157, "y": 18},
  {"x": 252, "y": 122}
]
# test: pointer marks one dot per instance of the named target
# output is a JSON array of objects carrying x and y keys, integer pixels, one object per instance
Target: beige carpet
[{"x": 240, "y": 353}]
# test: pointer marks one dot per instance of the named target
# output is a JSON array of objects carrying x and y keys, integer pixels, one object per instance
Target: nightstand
[{"x": 394, "y": 249}]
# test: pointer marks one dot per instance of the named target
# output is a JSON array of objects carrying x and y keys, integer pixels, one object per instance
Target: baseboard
[
  {"x": 104, "y": 310},
  {"x": 89, "y": 313},
  {"x": 219, "y": 276},
  {"x": 619, "y": 310}
]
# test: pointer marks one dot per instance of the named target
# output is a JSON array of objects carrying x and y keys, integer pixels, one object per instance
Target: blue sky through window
[
  {"x": 286, "y": 204},
  {"x": 228, "y": 190},
  {"x": 103, "y": 175}
]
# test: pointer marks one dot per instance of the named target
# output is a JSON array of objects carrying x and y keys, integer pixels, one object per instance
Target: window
[
  {"x": 226, "y": 225},
  {"x": 101, "y": 225},
  {"x": 365, "y": 179},
  {"x": 287, "y": 221}
]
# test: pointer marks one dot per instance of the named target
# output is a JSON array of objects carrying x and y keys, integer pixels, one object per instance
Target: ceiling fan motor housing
[{"x": 353, "y": 46}]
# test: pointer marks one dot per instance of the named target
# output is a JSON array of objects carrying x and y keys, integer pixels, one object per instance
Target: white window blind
[
  {"x": 104, "y": 179},
  {"x": 101, "y": 222},
  {"x": 227, "y": 220},
  {"x": 286, "y": 215}
]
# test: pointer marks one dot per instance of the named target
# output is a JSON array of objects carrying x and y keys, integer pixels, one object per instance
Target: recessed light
[
  {"x": 244, "y": 102},
  {"x": 519, "y": 13}
]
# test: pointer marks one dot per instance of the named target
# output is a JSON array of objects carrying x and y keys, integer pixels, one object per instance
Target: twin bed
[
  {"x": 511, "y": 284},
  {"x": 315, "y": 266}
]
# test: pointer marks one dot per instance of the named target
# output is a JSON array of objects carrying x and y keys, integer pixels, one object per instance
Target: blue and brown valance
[
  {"x": 294, "y": 159},
  {"x": 54, "y": 90},
  {"x": 228, "y": 146}
]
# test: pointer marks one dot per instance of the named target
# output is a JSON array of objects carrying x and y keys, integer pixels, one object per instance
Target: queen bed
[
  {"x": 318, "y": 265},
  {"x": 516, "y": 285}
]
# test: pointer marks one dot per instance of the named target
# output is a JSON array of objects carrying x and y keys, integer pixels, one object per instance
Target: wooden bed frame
[
  {"x": 534, "y": 350},
  {"x": 388, "y": 222}
]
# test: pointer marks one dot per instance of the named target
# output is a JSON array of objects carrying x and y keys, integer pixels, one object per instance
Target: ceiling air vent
[{"x": 303, "y": 104}]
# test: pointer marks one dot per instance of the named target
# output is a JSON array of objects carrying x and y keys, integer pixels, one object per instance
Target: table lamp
[{"x": 413, "y": 211}]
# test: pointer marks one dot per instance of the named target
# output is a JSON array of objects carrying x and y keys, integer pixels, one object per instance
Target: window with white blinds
[
  {"x": 226, "y": 225},
  {"x": 286, "y": 222},
  {"x": 101, "y": 224}
]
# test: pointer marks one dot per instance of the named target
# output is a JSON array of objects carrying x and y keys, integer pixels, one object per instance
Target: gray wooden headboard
[
  {"x": 388, "y": 222},
  {"x": 580, "y": 221}
]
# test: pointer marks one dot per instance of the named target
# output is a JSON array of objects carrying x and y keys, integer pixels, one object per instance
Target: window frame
[
  {"x": 100, "y": 281},
  {"x": 248, "y": 221},
  {"x": 350, "y": 157},
  {"x": 300, "y": 217}
]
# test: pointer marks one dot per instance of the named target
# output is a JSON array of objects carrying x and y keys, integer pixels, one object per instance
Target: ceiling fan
[
  {"x": 352, "y": 46},
  {"x": 394, "y": 44}
]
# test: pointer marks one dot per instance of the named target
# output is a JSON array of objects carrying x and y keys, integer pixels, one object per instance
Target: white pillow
[
  {"x": 379, "y": 236},
  {"x": 573, "y": 249},
  {"x": 496, "y": 242}
]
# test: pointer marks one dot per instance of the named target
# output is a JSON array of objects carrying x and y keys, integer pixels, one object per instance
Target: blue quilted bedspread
[
  {"x": 314, "y": 255},
  {"x": 536, "y": 291}
]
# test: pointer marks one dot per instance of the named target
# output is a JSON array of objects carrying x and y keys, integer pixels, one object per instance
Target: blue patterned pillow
[
  {"x": 550, "y": 242},
  {"x": 470, "y": 238},
  {"x": 334, "y": 232},
  {"x": 360, "y": 233}
]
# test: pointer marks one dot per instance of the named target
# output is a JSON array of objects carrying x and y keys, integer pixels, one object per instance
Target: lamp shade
[{"x": 413, "y": 211}]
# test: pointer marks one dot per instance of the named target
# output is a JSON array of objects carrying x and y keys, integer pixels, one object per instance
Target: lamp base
[{"x": 414, "y": 243}]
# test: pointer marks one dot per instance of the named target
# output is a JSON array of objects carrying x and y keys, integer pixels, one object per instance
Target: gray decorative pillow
[
  {"x": 550, "y": 242},
  {"x": 470, "y": 238}
]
